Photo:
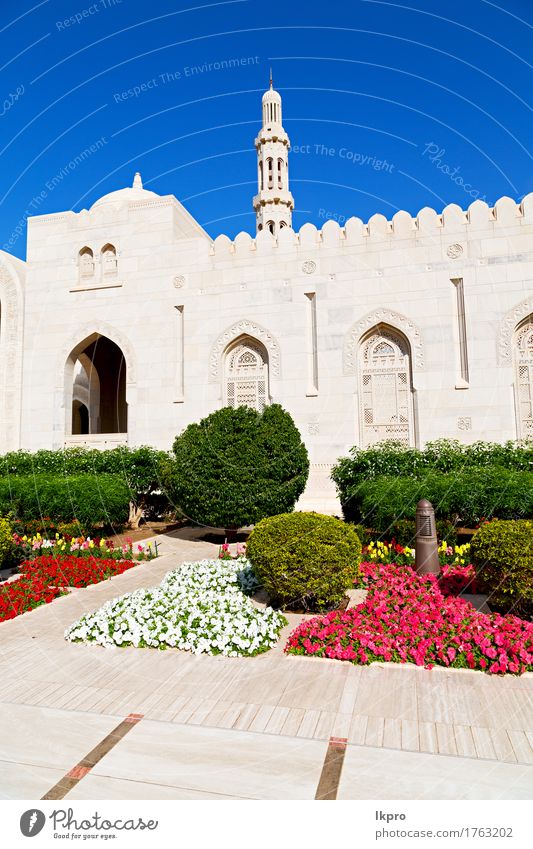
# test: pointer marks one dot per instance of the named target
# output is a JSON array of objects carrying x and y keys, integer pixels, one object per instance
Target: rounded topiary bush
[
  {"x": 304, "y": 559},
  {"x": 237, "y": 466},
  {"x": 502, "y": 554},
  {"x": 6, "y": 540}
]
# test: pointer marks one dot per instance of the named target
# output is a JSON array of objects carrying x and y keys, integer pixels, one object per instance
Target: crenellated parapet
[{"x": 505, "y": 215}]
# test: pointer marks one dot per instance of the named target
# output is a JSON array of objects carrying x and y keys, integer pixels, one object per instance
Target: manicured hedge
[
  {"x": 352, "y": 474},
  {"x": 304, "y": 559},
  {"x": 90, "y": 499},
  {"x": 502, "y": 554},
  {"x": 464, "y": 497},
  {"x": 140, "y": 468},
  {"x": 237, "y": 466}
]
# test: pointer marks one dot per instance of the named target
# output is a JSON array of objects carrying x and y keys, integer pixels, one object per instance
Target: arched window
[
  {"x": 271, "y": 226},
  {"x": 109, "y": 260},
  {"x": 385, "y": 387},
  {"x": 282, "y": 224},
  {"x": 280, "y": 173},
  {"x": 523, "y": 356},
  {"x": 86, "y": 262},
  {"x": 246, "y": 375},
  {"x": 261, "y": 178},
  {"x": 270, "y": 166}
]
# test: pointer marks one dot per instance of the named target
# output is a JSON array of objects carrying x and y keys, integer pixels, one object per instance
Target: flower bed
[
  {"x": 73, "y": 571},
  {"x": 201, "y": 607},
  {"x": 402, "y": 555},
  {"x": 406, "y": 618},
  {"x": 17, "y": 597},
  {"x": 44, "y": 578},
  {"x": 26, "y": 547}
]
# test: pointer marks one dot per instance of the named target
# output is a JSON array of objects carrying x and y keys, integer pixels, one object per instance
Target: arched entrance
[{"x": 95, "y": 391}]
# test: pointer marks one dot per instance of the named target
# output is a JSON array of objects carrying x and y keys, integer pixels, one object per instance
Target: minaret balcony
[{"x": 273, "y": 196}]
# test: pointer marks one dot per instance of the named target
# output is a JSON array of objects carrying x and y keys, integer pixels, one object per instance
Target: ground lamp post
[{"x": 426, "y": 545}]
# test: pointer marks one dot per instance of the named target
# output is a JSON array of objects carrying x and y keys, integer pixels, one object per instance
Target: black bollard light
[{"x": 426, "y": 545}]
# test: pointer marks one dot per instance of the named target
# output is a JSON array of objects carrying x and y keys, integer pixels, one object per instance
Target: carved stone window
[
  {"x": 86, "y": 263},
  {"x": 385, "y": 388},
  {"x": 523, "y": 349},
  {"x": 246, "y": 375},
  {"x": 109, "y": 261}
]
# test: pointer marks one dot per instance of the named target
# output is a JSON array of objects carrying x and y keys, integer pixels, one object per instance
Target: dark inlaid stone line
[
  {"x": 332, "y": 768},
  {"x": 74, "y": 776}
]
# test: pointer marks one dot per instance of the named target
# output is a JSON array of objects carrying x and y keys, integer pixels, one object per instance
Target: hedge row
[
  {"x": 91, "y": 500},
  {"x": 139, "y": 467},
  {"x": 387, "y": 459},
  {"x": 464, "y": 498}
]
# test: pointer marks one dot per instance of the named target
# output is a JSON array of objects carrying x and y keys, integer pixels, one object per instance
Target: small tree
[{"x": 238, "y": 466}]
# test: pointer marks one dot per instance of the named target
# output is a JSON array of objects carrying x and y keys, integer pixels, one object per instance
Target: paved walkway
[{"x": 245, "y": 727}]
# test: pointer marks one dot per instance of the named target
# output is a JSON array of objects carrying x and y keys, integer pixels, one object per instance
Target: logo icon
[{"x": 32, "y": 822}]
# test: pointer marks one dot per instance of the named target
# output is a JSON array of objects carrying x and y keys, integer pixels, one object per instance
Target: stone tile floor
[{"x": 217, "y": 727}]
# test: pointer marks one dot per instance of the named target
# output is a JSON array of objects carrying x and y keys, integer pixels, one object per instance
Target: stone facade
[{"x": 127, "y": 322}]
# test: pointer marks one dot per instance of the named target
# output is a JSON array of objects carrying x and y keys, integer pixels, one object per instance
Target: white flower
[{"x": 201, "y": 607}]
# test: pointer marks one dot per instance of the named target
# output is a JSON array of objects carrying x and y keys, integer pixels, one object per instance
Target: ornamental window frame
[
  {"x": 385, "y": 360},
  {"x": 523, "y": 377},
  {"x": 241, "y": 377}
]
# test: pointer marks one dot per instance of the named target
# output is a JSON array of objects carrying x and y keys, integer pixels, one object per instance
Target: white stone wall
[{"x": 397, "y": 273}]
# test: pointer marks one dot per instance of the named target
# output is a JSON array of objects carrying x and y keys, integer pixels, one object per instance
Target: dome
[
  {"x": 136, "y": 192},
  {"x": 271, "y": 96}
]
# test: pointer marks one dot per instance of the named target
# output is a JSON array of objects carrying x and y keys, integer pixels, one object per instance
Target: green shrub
[
  {"x": 90, "y": 500},
  {"x": 444, "y": 455},
  {"x": 502, "y": 554},
  {"x": 140, "y": 468},
  {"x": 6, "y": 541},
  {"x": 461, "y": 498},
  {"x": 304, "y": 559},
  {"x": 237, "y": 466}
]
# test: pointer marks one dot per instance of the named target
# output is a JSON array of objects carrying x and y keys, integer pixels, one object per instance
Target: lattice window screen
[
  {"x": 524, "y": 378},
  {"x": 247, "y": 376},
  {"x": 385, "y": 388}
]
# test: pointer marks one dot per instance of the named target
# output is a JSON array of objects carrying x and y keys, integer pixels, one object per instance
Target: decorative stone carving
[
  {"x": 245, "y": 328},
  {"x": 507, "y": 328},
  {"x": 454, "y": 251},
  {"x": 179, "y": 281},
  {"x": 309, "y": 266},
  {"x": 373, "y": 319},
  {"x": 313, "y": 428},
  {"x": 464, "y": 423}
]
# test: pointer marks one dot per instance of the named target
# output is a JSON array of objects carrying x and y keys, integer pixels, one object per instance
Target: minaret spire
[{"x": 273, "y": 202}]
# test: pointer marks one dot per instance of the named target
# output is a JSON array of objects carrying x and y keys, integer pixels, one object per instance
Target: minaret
[{"x": 273, "y": 202}]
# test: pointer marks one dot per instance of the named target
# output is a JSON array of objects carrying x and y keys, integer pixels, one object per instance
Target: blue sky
[{"x": 388, "y": 106}]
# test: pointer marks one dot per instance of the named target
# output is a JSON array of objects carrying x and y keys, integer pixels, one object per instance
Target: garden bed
[
  {"x": 53, "y": 567},
  {"x": 407, "y": 618},
  {"x": 201, "y": 607}
]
